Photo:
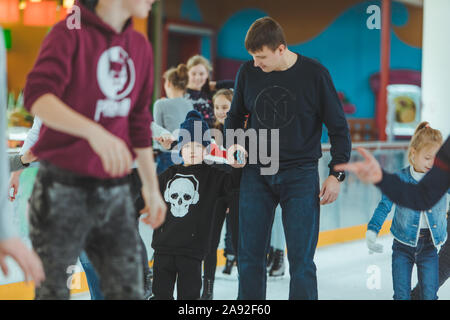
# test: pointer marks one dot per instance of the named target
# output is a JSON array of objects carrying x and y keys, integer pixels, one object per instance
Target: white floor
[{"x": 344, "y": 272}]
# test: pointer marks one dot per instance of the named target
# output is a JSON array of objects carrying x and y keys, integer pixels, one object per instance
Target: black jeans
[
  {"x": 69, "y": 213},
  {"x": 234, "y": 221},
  {"x": 135, "y": 188},
  {"x": 184, "y": 270},
  {"x": 91, "y": 274},
  {"x": 444, "y": 266}
]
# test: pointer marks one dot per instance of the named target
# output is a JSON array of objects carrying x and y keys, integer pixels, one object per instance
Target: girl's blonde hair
[
  {"x": 228, "y": 94},
  {"x": 196, "y": 60},
  {"x": 423, "y": 136},
  {"x": 178, "y": 76}
]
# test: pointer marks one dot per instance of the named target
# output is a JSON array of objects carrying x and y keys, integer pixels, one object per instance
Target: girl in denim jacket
[{"x": 417, "y": 234}]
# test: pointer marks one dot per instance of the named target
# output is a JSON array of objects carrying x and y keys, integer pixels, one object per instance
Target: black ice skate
[
  {"x": 269, "y": 259},
  {"x": 231, "y": 259},
  {"x": 208, "y": 289},
  {"x": 277, "y": 269}
]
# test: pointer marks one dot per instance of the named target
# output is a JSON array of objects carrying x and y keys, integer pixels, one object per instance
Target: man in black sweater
[{"x": 291, "y": 96}]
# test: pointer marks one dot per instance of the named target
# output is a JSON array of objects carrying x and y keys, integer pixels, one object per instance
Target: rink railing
[{"x": 344, "y": 220}]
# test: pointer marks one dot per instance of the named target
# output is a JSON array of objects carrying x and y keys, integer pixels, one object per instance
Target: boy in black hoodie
[{"x": 190, "y": 191}]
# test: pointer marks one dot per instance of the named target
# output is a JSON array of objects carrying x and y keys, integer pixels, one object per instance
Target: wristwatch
[
  {"x": 15, "y": 163},
  {"x": 23, "y": 164},
  {"x": 340, "y": 175}
]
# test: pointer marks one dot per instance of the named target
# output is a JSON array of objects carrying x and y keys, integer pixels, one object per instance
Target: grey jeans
[{"x": 69, "y": 213}]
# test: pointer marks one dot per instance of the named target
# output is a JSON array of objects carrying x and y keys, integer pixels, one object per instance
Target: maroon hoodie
[{"x": 101, "y": 74}]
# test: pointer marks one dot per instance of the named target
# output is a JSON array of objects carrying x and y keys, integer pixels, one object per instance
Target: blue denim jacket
[{"x": 405, "y": 225}]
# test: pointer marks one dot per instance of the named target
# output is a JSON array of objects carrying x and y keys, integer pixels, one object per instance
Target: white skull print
[{"x": 181, "y": 193}]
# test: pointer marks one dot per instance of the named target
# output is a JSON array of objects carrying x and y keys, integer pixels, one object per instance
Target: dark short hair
[{"x": 264, "y": 32}]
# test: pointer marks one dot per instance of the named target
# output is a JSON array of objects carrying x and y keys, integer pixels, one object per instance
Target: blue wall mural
[
  {"x": 206, "y": 47},
  {"x": 231, "y": 36},
  {"x": 190, "y": 11},
  {"x": 347, "y": 48}
]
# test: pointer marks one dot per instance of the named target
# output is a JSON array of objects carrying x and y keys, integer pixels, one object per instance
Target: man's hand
[
  {"x": 330, "y": 190},
  {"x": 368, "y": 171},
  {"x": 230, "y": 156},
  {"x": 165, "y": 140},
  {"x": 14, "y": 181},
  {"x": 113, "y": 152},
  {"x": 28, "y": 261},
  {"x": 28, "y": 157},
  {"x": 155, "y": 208}
]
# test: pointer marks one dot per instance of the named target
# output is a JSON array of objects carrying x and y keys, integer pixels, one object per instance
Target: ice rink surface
[{"x": 344, "y": 272}]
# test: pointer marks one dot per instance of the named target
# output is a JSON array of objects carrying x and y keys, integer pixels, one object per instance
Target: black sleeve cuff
[{"x": 384, "y": 183}]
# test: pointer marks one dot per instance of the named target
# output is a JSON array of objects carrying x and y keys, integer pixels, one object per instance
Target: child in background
[
  {"x": 170, "y": 113},
  {"x": 190, "y": 191},
  {"x": 417, "y": 234},
  {"x": 444, "y": 264},
  {"x": 222, "y": 103},
  {"x": 200, "y": 89}
]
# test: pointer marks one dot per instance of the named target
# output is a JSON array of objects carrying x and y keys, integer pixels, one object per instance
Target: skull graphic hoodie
[
  {"x": 105, "y": 76},
  {"x": 190, "y": 194}
]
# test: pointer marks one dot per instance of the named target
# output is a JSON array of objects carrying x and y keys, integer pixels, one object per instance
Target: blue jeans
[
  {"x": 92, "y": 278},
  {"x": 297, "y": 190},
  {"x": 425, "y": 256}
]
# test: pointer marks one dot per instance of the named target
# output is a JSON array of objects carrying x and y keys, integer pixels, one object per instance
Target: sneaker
[{"x": 277, "y": 269}]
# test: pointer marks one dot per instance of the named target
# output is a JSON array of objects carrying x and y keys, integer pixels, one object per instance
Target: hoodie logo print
[
  {"x": 116, "y": 78},
  {"x": 181, "y": 193},
  {"x": 274, "y": 107}
]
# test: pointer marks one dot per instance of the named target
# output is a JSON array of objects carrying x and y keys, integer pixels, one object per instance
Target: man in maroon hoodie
[{"x": 92, "y": 88}]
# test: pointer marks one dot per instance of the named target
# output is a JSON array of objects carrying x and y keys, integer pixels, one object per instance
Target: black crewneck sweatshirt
[
  {"x": 297, "y": 101},
  {"x": 190, "y": 194}
]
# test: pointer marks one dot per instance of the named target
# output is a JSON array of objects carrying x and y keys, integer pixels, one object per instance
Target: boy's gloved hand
[{"x": 371, "y": 241}]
